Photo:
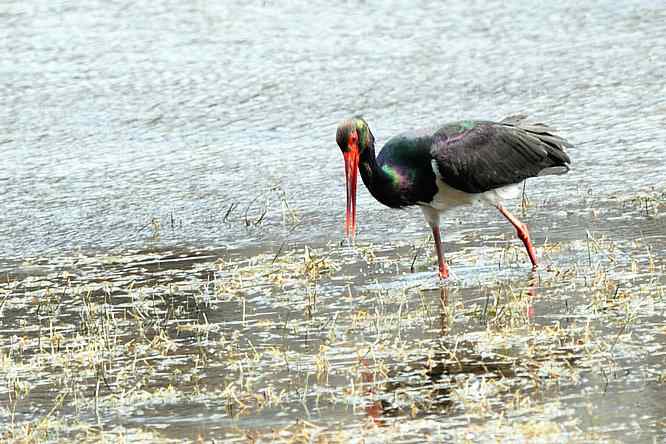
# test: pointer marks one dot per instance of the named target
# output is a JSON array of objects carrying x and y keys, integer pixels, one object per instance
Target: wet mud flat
[{"x": 338, "y": 343}]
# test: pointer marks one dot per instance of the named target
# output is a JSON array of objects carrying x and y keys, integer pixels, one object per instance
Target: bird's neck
[{"x": 379, "y": 182}]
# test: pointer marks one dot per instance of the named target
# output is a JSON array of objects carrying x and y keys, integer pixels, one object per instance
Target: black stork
[{"x": 466, "y": 162}]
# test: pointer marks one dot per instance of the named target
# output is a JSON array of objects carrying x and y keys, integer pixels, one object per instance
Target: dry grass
[{"x": 295, "y": 346}]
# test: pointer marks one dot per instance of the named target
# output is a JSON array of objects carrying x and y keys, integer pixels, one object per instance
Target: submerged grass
[{"x": 301, "y": 346}]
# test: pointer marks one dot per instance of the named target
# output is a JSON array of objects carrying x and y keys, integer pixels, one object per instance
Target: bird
[{"x": 460, "y": 163}]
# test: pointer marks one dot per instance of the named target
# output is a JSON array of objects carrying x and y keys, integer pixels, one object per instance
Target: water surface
[{"x": 154, "y": 133}]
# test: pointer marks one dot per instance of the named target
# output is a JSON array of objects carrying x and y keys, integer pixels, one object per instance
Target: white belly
[{"x": 448, "y": 197}]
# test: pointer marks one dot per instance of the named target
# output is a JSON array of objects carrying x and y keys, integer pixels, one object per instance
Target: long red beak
[{"x": 351, "y": 173}]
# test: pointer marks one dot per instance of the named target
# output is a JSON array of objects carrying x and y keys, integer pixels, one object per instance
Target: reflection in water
[
  {"x": 446, "y": 361},
  {"x": 375, "y": 409},
  {"x": 444, "y": 312}
]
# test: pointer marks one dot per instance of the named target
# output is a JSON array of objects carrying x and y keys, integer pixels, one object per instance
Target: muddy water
[{"x": 138, "y": 136}]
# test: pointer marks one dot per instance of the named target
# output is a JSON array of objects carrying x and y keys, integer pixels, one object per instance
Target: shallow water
[{"x": 136, "y": 136}]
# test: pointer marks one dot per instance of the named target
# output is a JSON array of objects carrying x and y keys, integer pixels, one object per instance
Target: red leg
[
  {"x": 443, "y": 269},
  {"x": 523, "y": 235},
  {"x": 376, "y": 409}
]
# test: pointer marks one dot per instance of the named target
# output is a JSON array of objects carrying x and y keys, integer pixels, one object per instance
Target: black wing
[{"x": 477, "y": 156}]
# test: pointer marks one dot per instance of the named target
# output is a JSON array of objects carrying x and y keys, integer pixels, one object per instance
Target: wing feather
[{"x": 479, "y": 156}]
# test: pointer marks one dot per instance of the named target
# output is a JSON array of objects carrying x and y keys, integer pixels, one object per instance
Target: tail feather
[
  {"x": 554, "y": 171},
  {"x": 553, "y": 144}
]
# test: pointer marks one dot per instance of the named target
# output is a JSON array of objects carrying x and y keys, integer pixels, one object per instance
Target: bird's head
[
  {"x": 354, "y": 134},
  {"x": 353, "y": 137}
]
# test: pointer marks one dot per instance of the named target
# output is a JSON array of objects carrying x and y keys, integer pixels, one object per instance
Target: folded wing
[{"x": 478, "y": 156}]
